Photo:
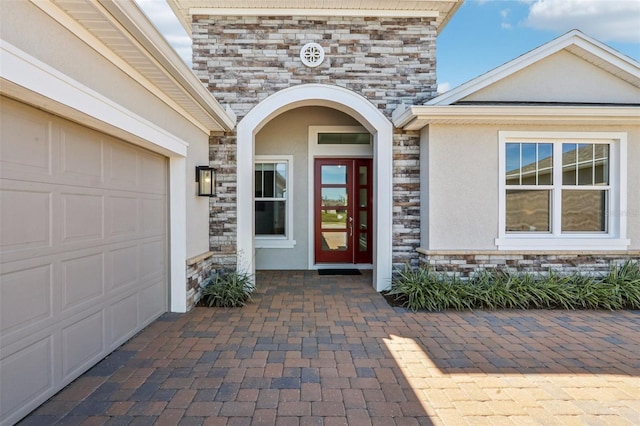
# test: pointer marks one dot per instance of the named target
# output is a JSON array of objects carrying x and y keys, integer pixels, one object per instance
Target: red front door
[{"x": 342, "y": 210}]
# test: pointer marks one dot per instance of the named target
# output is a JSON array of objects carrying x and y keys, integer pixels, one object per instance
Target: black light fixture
[{"x": 206, "y": 180}]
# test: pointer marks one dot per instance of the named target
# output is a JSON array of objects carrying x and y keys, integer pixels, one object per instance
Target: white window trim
[
  {"x": 614, "y": 239},
  {"x": 277, "y": 241}
]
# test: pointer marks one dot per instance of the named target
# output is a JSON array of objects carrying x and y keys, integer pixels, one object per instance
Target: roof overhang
[
  {"x": 440, "y": 10},
  {"x": 417, "y": 117},
  {"x": 122, "y": 34}
]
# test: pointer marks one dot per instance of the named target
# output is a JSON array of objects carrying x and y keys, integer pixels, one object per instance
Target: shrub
[
  {"x": 425, "y": 289},
  {"x": 227, "y": 289}
]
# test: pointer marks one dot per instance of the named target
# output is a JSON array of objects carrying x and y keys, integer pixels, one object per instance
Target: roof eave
[{"x": 417, "y": 117}]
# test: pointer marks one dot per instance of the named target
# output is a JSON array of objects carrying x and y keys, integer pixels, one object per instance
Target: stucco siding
[
  {"x": 288, "y": 134},
  {"x": 462, "y": 164},
  {"x": 562, "y": 77}
]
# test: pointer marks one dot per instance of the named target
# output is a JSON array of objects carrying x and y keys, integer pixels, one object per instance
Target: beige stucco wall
[
  {"x": 562, "y": 77},
  {"x": 40, "y": 36},
  {"x": 288, "y": 134},
  {"x": 461, "y": 162}
]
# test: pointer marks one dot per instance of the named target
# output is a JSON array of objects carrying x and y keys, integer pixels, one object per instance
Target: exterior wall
[
  {"x": 222, "y": 207},
  {"x": 562, "y": 77},
  {"x": 463, "y": 190},
  {"x": 465, "y": 264},
  {"x": 198, "y": 269},
  {"x": 288, "y": 134},
  {"x": 406, "y": 197},
  {"x": 245, "y": 59},
  {"x": 389, "y": 61}
]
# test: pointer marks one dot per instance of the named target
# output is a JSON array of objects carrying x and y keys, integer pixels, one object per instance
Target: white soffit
[
  {"x": 574, "y": 41},
  {"x": 441, "y": 10},
  {"x": 121, "y": 32}
]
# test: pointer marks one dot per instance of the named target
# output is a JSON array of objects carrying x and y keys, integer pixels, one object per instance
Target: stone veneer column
[
  {"x": 222, "y": 210},
  {"x": 406, "y": 197}
]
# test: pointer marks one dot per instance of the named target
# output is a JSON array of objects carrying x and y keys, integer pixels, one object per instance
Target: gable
[{"x": 561, "y": 77}]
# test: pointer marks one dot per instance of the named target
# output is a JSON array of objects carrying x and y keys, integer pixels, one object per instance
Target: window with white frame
[
  {"x": 273, "y": 206},
  {"x": 562, "y": 190}
]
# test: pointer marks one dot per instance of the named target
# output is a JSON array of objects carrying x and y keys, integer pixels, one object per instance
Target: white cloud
[
  {"x": 159, "y": 12},
  {"x": 443, "y": 87},
  {"x": 606, "y": 20}
]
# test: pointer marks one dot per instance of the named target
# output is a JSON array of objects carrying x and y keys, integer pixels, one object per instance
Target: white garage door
[{"x": 83, "y": 240}]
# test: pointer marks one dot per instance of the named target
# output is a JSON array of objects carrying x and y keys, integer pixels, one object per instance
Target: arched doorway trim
[{"x": 350, "y": 103}]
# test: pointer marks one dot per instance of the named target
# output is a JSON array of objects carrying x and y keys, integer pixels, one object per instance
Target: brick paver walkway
[{"x": 329, "y": 351}]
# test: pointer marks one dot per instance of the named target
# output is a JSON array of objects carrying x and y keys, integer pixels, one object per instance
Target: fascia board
[
  {"x": 416, "y": 117},
  {"x": 215, "y": 11}
]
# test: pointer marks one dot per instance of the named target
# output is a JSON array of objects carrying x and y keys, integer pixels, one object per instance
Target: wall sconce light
[{"x": 206, "y": 180}]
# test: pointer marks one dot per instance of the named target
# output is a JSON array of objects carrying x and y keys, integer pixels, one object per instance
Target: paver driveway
[{"x": 330, "y": 351}]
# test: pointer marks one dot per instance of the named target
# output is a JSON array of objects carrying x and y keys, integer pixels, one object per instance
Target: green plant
[
  {"x": 228, "y": 289},
  {"x": 423, "y": 288}
]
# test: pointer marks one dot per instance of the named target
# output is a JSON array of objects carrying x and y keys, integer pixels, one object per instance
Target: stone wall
[
  {"x": 222, "y": 210},
  {"x": 464, "y": 264},
  {"x": 406, "y": 197},
  {"x": 242, "y": 60}
]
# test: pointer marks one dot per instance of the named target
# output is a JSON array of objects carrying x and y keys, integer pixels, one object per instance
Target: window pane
[
  {"x": 513, "y": 163},
  {"x": 529, "y": 163},
  {"x": 344, "y": 138},
  {"x": 585, "y": 164},
  {"x": 334, "y": 241},
  {"x": 528, "y": 211},
  {"x": 363, "y": 242},
  {"x": 270, "y": 217},
  {"x": 258, "y": 174},
  {"x": 363, "y": 175},
  {"x": 601, "y": 164},
  {"x": 584, "y": 211},
  {"x": 268, "y": 176},
  {"x": 281, "y": 180},
  {"x": 363, "y": 220},
  {"x": 363, "y": 197},
  {"x": 334, "y": 219},
  {"x": 334, "y": 175},
  {"x": 569, "y": 163},
  {"x": 334, "y": 196}
]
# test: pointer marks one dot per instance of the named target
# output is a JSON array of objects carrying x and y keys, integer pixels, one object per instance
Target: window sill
[
  {"x": 566, "y": 243},
  {"x": 274, "y": 243}
]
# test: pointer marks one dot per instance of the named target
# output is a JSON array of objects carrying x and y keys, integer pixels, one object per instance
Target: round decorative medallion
[{"x": 312, "y": 54}]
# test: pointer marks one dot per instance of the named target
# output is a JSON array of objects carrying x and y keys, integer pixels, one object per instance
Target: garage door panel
[
  {"x": 153, "y": 301},
  {"x": 26, "y": 376},
  {"x": 82, "y": 342},
  {"x": 122, "y": 167},
  {"x": 153, "y": 175},
  {"x": 123, "y": 216},
  {"x": 31, "y": 209},
  {"x": 32, "y": 287},
  {"x": 153, "y": 216},
  {"x": 32, "y": 153},
  {"x": 82, "y": 217},
  {"x": 123, "y": 267},
  {"x": 81, "y": 156},
  {"x": 151, "y": 258},
  {"x": 124, "y": 319},
  {"x": 82, "y": 280}
]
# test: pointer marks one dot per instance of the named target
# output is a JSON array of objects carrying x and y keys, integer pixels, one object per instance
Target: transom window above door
[{"x": 562, "y": 190}]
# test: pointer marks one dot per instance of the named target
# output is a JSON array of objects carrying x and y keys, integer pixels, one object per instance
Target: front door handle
[{"x": 350, "y": 226}]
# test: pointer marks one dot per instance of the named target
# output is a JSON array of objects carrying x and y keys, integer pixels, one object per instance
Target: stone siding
[
  {"x": 222, "y": 210},
  {"x": 464, "y": 264},
  {"x": 406, "y": 197},
  {"x": 243, "y": 60}
]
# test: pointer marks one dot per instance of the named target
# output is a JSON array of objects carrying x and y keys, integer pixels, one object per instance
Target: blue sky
[{"x": 485, "y": 34}]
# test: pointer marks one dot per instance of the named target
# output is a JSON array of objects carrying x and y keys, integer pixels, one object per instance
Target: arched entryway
[{"x": 349, "y": 103}]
